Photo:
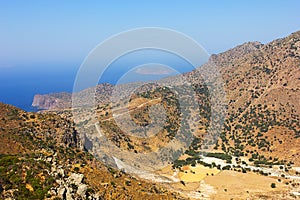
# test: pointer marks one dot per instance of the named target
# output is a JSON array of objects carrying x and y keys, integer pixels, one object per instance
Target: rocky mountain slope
[
  {"x": 40, "y": 159},
  {"x": 261, "y": 129},
  {"x": 262, "y": 84}
]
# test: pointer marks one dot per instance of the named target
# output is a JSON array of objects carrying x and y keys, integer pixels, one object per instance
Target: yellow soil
[
  {"x": 235, "y": 185},
  {"x": 142, "y": 101},
  {"x": 197, "y": 173}
]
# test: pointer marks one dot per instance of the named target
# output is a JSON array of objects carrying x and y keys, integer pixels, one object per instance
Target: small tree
[{"x": 273, "y": 185}]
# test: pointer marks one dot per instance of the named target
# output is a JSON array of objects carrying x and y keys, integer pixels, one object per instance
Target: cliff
[{"x": 52, "y": 101}]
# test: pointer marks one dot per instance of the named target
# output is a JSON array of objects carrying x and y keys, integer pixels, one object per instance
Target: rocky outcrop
[
  {"x": 42, "y": 102},
  {"x": 39, "y": 151},
  {"x": 67, "y": 187},
  {"x": 63, "y": 100},
  {"x": 52, "y": 101}
]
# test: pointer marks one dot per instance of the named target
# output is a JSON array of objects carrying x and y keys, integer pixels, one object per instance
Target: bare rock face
[
  {"x": 63, "y": 100},
  {"x": 52, "y": 101},
  {"x": 75, "y": 178},
  {"x": 43, "y": 101},
  {"x": 82, "y": 190}
]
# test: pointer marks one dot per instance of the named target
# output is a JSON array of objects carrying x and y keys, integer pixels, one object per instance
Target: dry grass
[
  {"x": 234, "y": 185},
  {"x": 197, "y": 173}
]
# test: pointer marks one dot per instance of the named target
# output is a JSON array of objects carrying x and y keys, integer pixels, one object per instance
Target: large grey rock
[
  {"x": 75, "y": 178},
  {"x": 59, "y": 182},
  {"x": 60, "y": 191},
  {"x": 69, "y": 195},
  {"x": 61, "y": 172},
  {"x": 52, "y": 192},
  {"x": 82, "y": 190},
  {"x": 53, "y": 168}
]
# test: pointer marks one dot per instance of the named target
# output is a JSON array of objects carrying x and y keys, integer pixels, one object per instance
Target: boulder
[
  {"x": 75, "y": 178},
  {"x": 61, "y": 191},
  {"x": 82, "y": 190},
  {"x": 69, "y": 195}
]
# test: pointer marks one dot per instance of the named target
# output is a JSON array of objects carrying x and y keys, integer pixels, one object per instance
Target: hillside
[
  {"x": 263, "y": 89},
  {"x": 259, "y": 139},
  {"x": 40, "y": 159}
]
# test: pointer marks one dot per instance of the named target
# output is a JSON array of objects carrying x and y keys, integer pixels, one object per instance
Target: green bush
[
  {"x": 273, "y": 185},
  {"x": 220, "y": 156}
]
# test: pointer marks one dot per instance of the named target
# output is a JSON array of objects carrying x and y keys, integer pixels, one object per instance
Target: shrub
[
  {"x": 220, "y": 156},
  {"x": 273, "y": 185}
]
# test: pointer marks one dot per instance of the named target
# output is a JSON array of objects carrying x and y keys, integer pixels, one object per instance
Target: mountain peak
[{"x": 235, "y": 52}]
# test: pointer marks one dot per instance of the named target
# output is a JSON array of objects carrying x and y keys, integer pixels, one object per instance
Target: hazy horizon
[{"x": 37, "y": 33}]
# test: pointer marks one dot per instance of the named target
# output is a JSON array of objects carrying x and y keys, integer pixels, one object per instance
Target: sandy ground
[
  {"x": 235, "y": 185},
  {"x": 225, "y": 184},
  {"x": 197, "y": 173}
]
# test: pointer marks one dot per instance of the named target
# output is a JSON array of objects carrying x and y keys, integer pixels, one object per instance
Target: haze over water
[
  {"x": 19, "y": 84},
  {"x": 54, "y": 33}
]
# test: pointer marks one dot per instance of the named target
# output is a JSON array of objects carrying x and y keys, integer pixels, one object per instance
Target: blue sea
[{"x": 19, "y": 84}]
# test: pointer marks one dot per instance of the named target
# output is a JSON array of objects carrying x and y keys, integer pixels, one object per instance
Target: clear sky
[{"x": 58, "y": 33}]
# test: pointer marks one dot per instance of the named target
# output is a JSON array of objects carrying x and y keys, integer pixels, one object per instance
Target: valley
[{"x": 170, "y": 139}]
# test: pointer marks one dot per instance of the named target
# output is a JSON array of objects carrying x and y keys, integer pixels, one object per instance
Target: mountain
[
  {"x": 262, "y": 88},
  {"x": 40, "y": 158},
  {"x": 253, "y": 155}
]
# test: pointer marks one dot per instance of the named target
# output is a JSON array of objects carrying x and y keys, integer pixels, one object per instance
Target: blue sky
[{"x": 62, "y": 33}]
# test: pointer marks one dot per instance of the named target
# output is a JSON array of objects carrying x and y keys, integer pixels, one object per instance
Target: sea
[{"x": 19, "y": 84}]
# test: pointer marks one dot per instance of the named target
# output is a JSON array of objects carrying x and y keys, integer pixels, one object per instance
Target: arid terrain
[{"x": 58, "y": 153}]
